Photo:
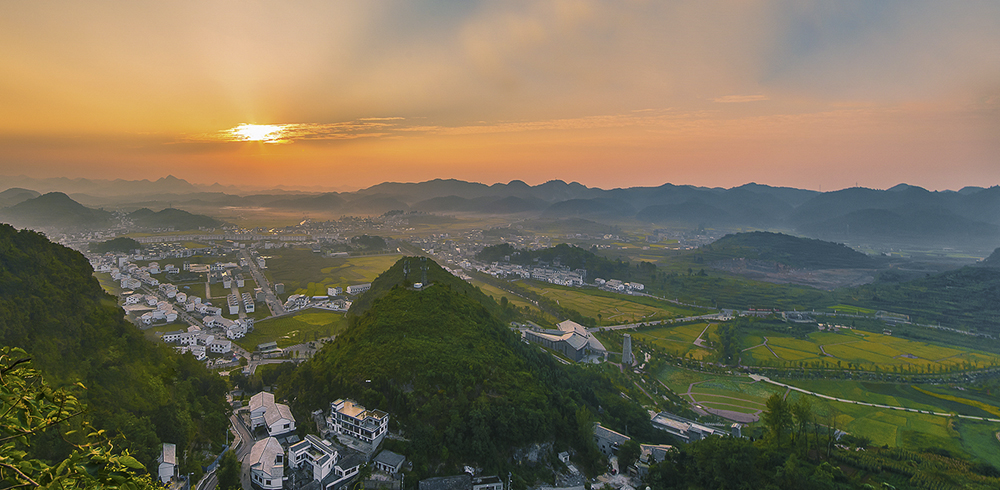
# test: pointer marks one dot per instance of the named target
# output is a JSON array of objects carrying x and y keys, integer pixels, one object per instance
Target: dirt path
[{"x": 699, "y": 341}]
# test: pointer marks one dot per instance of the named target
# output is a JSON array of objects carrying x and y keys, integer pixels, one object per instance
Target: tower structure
[{"x": 627, "y": 357}]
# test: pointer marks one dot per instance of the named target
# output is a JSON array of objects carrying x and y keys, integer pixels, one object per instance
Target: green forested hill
[
  {"x": 460, "y": 383},
  {"x": 800, "y": 253},
  {"x": 964, "y": 298},
  {"x": 143, "y": 394}
]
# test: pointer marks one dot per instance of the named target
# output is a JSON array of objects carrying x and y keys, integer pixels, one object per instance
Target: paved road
[
  {"x": 626, "y": 326},
  {"x": 269, "y": 298}
]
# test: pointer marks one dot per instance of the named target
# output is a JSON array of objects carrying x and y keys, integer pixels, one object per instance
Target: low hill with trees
[
  {"x": 458, "y": 382},
  {"x": 120, "y": 244},
  {"x": 54, "y": 210},
  {"x": 143, "y": 394},
  {"x": 795, "y": 252}
]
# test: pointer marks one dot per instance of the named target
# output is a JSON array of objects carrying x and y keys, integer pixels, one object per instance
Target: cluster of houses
[
  {"x": 350, "y": 436},
  {"x": 562, "y": 276},
  {"x": 198, "y": 343},
  {"x": 618, "y": 286}
]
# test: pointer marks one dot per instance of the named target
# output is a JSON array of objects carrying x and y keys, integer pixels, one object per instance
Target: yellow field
[
  {"x": 867, "y": 350},
  {"x": 608, "y": 310},
  {"x": 679, "y": 340},
  {"x": 304, "y": 272}
]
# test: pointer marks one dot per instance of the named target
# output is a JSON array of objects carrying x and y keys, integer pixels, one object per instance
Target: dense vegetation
[
  {"x": 56, "y": 210},
  {"x": 962, "y": 298},
  {"x": 795, "y": 450},
  {"x": 120, "y": 244},
  {"x": 462, "y": 387},
  {"x": 369, "y": 242},
  {"x": 799, "y": 253},
  {"x": 562, "y": 254},
  {"x": 172, "y": 218},
  {"x": 29, "y": 407},
  {"x": 141, "y": 393}
]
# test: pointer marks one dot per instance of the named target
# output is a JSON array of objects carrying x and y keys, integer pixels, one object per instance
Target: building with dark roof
[
  {"x": 457, "y": 482},
  {"x": 389, "y": 462}
]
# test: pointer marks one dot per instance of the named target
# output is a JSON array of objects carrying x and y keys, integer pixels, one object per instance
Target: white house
[
  {"x": 221, "y": 346},
  {"x": 167, "y": 460},
  {"x": 265, "y": 412},
  {"x": 267, "y": 464},
  {"x": 351, "y": 419},
  {"x": 318, "y": 453},
  {"x": 181, "y": 297},
  {"x": 359, "y": 288}
]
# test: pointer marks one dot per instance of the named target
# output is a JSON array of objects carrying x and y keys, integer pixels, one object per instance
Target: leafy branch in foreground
[{"x": 29, "y": 407}]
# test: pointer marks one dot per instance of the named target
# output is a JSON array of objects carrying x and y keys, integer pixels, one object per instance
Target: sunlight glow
[{"x": 266, "y": 133}]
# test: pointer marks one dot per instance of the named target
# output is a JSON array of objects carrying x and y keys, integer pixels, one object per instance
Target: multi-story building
[
  {"x": 267, "y": 464},
  {"x": 351, "y": 419}
]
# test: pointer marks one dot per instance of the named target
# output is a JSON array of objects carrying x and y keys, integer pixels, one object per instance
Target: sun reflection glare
[{"x": 267, "y": 133}]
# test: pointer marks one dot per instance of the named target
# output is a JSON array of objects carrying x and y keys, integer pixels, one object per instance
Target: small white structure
[
  {"x": 317, "y": 453},
  {"x": 265, "y": 412},
  {"x": 267, "y": 464},
  {"x": 359, "y": 288},
  {"x": 167, "y": 468},
  {"x": 219, "y": 346}
]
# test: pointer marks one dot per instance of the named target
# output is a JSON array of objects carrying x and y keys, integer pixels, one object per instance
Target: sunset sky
[{"x": 609, "y": 94}]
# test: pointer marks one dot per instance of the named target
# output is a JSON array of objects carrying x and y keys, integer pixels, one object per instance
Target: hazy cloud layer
[{"x": 783, "y": 92}]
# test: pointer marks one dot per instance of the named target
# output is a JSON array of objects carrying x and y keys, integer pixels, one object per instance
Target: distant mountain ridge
[{"x": 903, "y": 214}]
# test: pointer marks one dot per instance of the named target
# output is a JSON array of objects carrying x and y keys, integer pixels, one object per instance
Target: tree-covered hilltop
[
  {"x": 141, "y": 393},
  {"x": 795, "y": 252},
  {"x": 459, "y": 383},
  {"x": 120, "y": 244},
  {"x": 563, "y": 254},
  {"x": 177, "y": 219}
]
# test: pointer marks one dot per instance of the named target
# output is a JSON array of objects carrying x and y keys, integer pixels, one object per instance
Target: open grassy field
[
  {"x": 111, "y": 286},
  {"x": 305, "y": 272},
  {"x": 609, "y": 308},
  {"x": 514, "y": 299},
  {"x": 901, "y": 428},
  {"x": 853, "y": 310},
  {"x": 852, "y": 348},
  {"x": 732, "y": 393},
  {"x": 678, "y": 340},
  {"x": 295, "y": 329}
]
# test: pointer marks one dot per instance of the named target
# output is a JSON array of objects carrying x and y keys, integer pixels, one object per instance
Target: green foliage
[
  {"x": 28, "y": 408},
  {"x": 777, "y": 417},
  {"x": 461, "y": 385},
  {"x": 369, "y": 243},
  {"x": 960, "y": 298},
  {"x": 565, "y": 254},
  {"x": 141, "y": 393},
  {"x": 120, "y": 244},
  {"x": 229, "y": 472},
  {"x": 800, "y": 253}
]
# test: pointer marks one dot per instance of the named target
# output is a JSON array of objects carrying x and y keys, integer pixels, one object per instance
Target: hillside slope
[{"x": 142, "y": 393}]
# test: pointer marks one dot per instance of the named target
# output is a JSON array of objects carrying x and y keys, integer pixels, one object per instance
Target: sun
[{"x": 267, "y": 133}]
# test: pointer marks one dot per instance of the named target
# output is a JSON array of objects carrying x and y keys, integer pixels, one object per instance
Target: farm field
[
  {"x": 677, "y": 340},
  {"x": 609, "y": 308},
  {"x": 295, "y": 329},
  {"x": 305, "y": 272},
  {"x": 864, "y": 350},
  {"x": 720, "y": 393},
  {"x": 514, "y": 299},
  {"x": 900, "y": 428},
  {"x": 853, "y": 310}
]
